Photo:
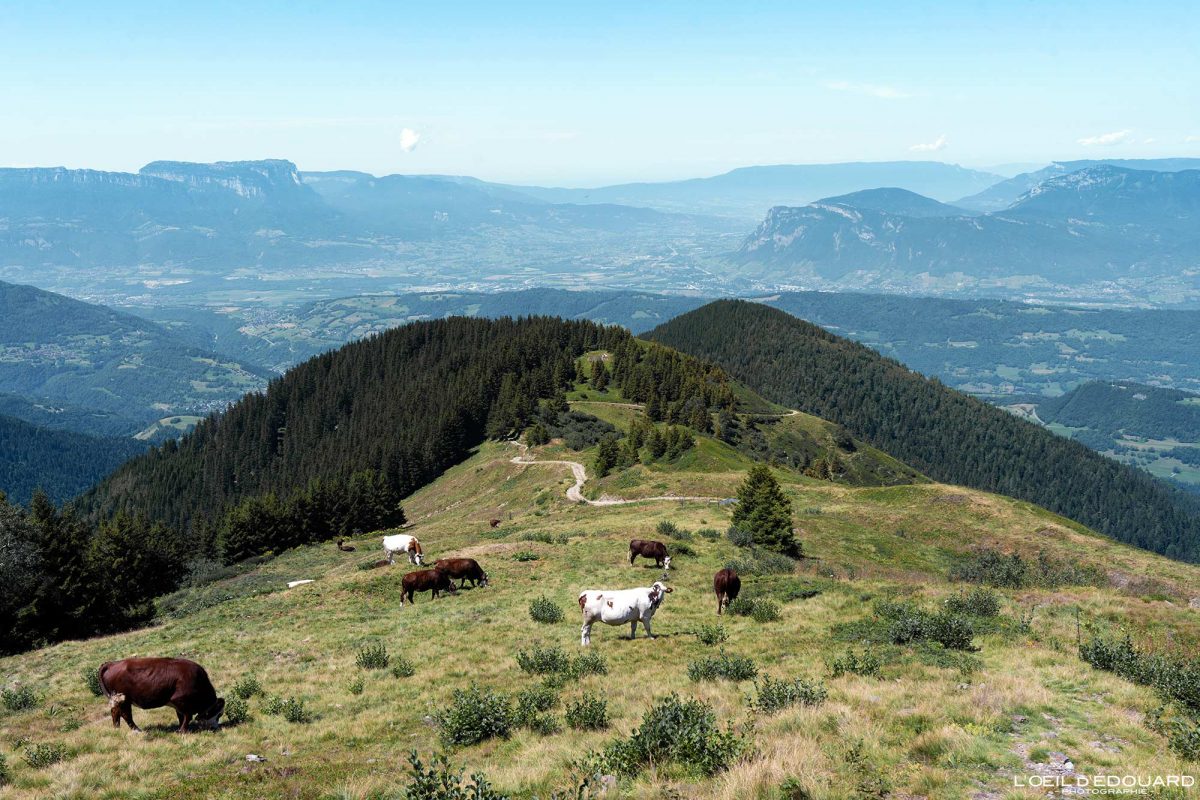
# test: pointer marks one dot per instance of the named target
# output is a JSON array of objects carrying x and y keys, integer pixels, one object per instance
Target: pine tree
[
  {"x": 599, "y": 375},
  {"x": 608, "y": 452},
  {"x": 765, "y": 513}
]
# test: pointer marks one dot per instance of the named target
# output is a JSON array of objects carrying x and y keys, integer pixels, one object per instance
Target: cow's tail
[{"x": 113, "y": 699}]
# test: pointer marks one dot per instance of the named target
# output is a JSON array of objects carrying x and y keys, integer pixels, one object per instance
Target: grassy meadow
[{"x": 934, "y": 723}]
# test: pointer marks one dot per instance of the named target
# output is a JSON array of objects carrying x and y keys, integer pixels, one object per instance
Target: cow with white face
[
  {"x": 616, "y": 607},
  {"x": 403, "y": 543}
]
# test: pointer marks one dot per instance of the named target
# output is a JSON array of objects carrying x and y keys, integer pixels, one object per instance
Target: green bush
[
  {"x": 908, "y": 624},
  {"x": 711, "y": 534},
  {"x": 292, "y": 709},
  {"x": 766, "y": 611},
  {"x": 1184, "y": 739},
  {"x": 1012, "y": 571},
  {"x": 545, "y": 610},
  {"x": 712, "y": 635},
  {"x": 776, "y": 695},
  {"x": 672, "y": 531},
  {"x": 402, "y": 668},
  {"x": 681, "y": 549},
  {"x": 21, "y": 698},
  {"x": 43, "y": 755},
  {"x": 544, "y": 660},
  {"x": 739, "y": 536},
  {"x": 588, "y": 713},
  {"x": 867, "y": 664},
  {"x": 5, "y": 771},
  {"x": 91, "y": 679},
  {"x": 475, "y": 715},
  {"x": 531, "y": 707},
  {"x": 1173, "y": 677},
  {"x": 357, "y": 686},
  {"x": 525, "y": 555},
  {"x": 723, "y": 665},
  {"x": 374, "y": 656},
  {"x": 975, "y": 603},
  {"x": 674, "y": 730},
  {"x": 247, "y": 687},
  {"x": 439, "y": 782},
  {"x": 589, "y": 663},
  {"x": 237, "y": 711}
]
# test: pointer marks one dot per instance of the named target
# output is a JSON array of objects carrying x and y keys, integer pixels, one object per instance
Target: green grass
[{"x": 935, "y": 723}]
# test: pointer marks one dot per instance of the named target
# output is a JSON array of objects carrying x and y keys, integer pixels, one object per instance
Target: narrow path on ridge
[{"x": 575, "y": 492}]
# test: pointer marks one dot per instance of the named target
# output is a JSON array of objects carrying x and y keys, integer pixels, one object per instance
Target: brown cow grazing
[
  {"x": 495, "y": 523},
  {"x": 647, "y": 548},
  {"x": 345, "y": 548},
  {"x": 727, "y": 585},
  {"x": 158, "y": 682},
  {"x": 464, "y": 568},
  {"x": 425, "y": 580}
]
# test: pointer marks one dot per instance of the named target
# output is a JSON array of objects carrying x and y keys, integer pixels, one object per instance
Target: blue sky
[{"x": 582, "y": 94}]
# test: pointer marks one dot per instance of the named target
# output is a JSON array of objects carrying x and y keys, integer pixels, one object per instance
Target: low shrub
[
  {"x": 531, "y": 707},
  {"x": 546, "y": 611},
  {"x": 866, "y": 664},
  {"x": 292, "y": 709},
  {"x": 357, "y": 685},
  {"x": 739, "y": 537},
  {"x": 723, "y": 665},
  {"x": 20, "y": 698},
  {"x": 91, "y": 680},
  {"x": 474, "y": 715},
  {"x": 672, "y": 531},
  {"x": 1184, "y": 739},
  {"x": 711, "y": 534},
  {"x": 673, "y": 730},
  {"x": 1011, "y": 571},
  {"x": 545, "y": 537},
  {"x": 247, "y": 687},
  {"x": 589, "y": 663},
  {"x": 766, "y": 611},
  {"x": 712, "y": 635},
  {"x": 775, "y": 695},
  {"x": 588, "y": 713},
  {"x": 908, "y": 624},
  {"x": 402, "y": 668},
  {"x": 525, "y": 555},
  {"x": 374, "y": 656},
  {"x": 42, "y": 755},
  {"x": 5, "y": 771},
  {"x": 439, "y": 782},
  {"x": 1174, "y": 677},
  {"x": 544, "y": 660},
  {"x": 237, "y": 711},
  {"x": 975, "y": 603}
]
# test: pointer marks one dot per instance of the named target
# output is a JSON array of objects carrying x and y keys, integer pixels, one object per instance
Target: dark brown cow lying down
[
  {"x": 467, "y": 569},
  {"x": 158, "y": 682},
  {"x": 425, "y": 580}
]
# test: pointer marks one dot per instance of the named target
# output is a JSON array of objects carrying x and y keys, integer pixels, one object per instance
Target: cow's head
[
  {"x": 667, "y": 563},
  {"x": 484, "y": 580},
  {"x": 415, "y": 551},
  {"x": 657, "y": 592},
  {"x": 211, "y": 718}
]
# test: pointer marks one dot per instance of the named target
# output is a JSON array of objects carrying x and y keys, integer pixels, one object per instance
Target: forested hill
[
  {"x": 1127, "y": 408},
  {"x": 376, "y": 420},
  {"x": 60, "y": 463},
  {"x": 946, "y": 434}
]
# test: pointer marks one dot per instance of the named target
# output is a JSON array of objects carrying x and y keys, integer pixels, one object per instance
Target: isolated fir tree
[
  {"x": 765, "y": 513},
  {"x": 600, "y": 375},
  {"x": 608, "y": 453}
]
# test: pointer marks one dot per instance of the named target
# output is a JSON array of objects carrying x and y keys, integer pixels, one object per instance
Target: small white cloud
[
  {"x": 1107, "y": 139},
  {"x": 931, "y": 147},
  {"x": 409, "y": 139},
  {"x": 869, "y": 89},
  {"x": 1149, "y": 140},
  {"x": 1191, "y": 139}
]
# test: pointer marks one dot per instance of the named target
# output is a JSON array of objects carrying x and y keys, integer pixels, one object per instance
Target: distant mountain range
[
  {"x": 1001, "y": 195},
  {"x": 1100, "y": 222},
  {"x": 59, "y": 355}
]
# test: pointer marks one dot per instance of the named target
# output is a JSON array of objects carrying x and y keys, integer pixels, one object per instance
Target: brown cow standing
[
  {"x": 648, "y": 548},
  {"x": 727, "y": 585},
  {"x": 158, "y": 682},
  {"x": 425, "y": 580},
  {"x": 464, "y": 568},
  {"x": 495, "y": 523}
]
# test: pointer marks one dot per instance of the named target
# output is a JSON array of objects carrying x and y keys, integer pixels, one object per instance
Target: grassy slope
[{"x": 932, "y": 730}]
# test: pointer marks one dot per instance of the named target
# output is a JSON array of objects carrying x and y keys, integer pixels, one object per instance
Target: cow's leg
[
  {"x": 633, "y": 629},
  {"x": 390, "y": 556},
  {"x": 720, "y": 603},
  {"x": 632, "y": 556},
  {"x": 115, "y": 710},
  {"x": 585, "y": 635},
  {"x": 646, "y": 625},
  {"x": 183, "y": 721},
  {"x": 127, "y": 715}
]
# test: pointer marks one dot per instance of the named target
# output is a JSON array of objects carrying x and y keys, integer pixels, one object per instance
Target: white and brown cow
[
  {"x": 403, "y": 543},
  {"x": 618, "y": 606}
]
